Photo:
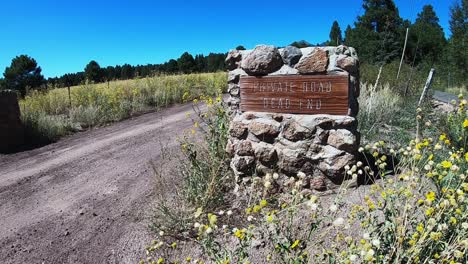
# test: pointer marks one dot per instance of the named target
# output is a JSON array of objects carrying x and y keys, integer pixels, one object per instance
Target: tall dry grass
[
  {"x": 50, "y": 115},
  {"x": 384, "y": 114}
]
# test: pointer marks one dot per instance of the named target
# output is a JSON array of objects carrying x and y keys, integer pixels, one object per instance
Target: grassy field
[{"x": 51, "y": 114}]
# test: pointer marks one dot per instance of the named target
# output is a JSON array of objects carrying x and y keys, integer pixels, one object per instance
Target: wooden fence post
[
  {"x": 403, "y": 54},
  {"x": 69, "y": 96},
  {"x": 427, "y": 86},
  {"x": 378, "y": 78}
]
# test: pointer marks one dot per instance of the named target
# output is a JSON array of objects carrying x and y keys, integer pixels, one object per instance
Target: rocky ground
[{"x": 85, "y": 199}]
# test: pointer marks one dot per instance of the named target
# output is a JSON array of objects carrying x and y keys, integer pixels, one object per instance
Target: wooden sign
[{"x": 295, "y": 94}]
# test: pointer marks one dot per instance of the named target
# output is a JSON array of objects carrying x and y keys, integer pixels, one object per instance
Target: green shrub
[
  {"x": 456, "y": 124},
  {"x": 207, "y": 165},
  {"x": 41, "y": 128},
  {"x": 86, "y": 116},
  {"x": 204, "y": 168}
]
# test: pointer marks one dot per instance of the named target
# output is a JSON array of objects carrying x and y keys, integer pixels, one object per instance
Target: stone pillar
[
  {"x": 11, "y": 129},
  {"x": 320, "y": 146}
]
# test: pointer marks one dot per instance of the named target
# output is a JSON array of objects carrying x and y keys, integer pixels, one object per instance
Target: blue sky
[{"x": 64, "y": 35}]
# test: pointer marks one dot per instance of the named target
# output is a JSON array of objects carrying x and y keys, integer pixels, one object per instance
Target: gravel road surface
[{"x": 84, "y": 198}]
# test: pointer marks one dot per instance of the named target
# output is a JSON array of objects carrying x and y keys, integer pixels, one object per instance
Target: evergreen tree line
[
  {"x": 185, "y": 64},
  {"x": 24, "y": 73}
]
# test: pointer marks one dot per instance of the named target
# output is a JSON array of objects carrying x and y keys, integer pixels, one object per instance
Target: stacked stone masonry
[
  {"x": 11, "y": 129},
  {"x": 320, "y": 146}
]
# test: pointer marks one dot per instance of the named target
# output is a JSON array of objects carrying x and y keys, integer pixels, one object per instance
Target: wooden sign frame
[{"x": 295, "y": 94}]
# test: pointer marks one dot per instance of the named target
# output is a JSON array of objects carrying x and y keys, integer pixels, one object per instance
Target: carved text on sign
[{"x": 296, "y": 94}]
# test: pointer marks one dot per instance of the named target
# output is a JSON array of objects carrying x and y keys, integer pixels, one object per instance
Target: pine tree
[
  {"x": 2, "y": 84},
  {"x": 427, "y": 39},
  {"x": 347, "y": 33},
  {"x": 172, "y": 66},
  {"x": 200, "y": 63},
  {"x": 335, "y": 35},
  {"x": 378, "y": 34},
  {"x": 300, "y": 44},
  {"x": 93, "y": 72},
  {"x": 458, "y": 43},
  {"x": 23, "y": 74},
  {"x": 186, "y": 63},
  {"x": 127, "y": 72}
]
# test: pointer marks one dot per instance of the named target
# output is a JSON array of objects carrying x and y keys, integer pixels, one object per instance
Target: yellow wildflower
[
  {"x": 257, "y": 208},
  {"x": 270, "y": 218},
  {"x": 240, "y": 233},
  {"x": 212, "y": 219},
  {"x": 430, "y": 197},
  {"x": 442, "y": 137},
  {"x": 465, "y": 123},
  {"x": 294, "y": 245},
  {"x": 383, "y": 194},
  {"x": 420, "y": 228},
  {"x": 263, "y": 203},
  {"x": 446, "y": 164},
  {"x": 185, "y": 96},
  {"x": 435, "y": 235},
  {"x": 453, "y": 220},
  {"x": 429, "y": 211}
]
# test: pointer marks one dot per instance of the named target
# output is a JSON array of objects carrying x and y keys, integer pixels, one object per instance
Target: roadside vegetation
[
  {"x": 413, "y": 211},
  {"x": 51, "y": 114},
  {"x": 410, "y": 202}
]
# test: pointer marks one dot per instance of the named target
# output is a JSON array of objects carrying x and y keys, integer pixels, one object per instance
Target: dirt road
[{"x": 83, "y": 199}]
